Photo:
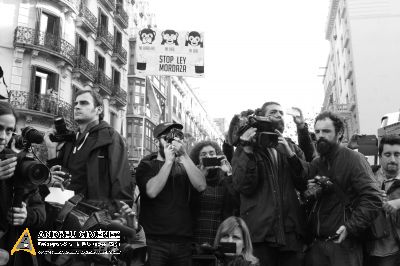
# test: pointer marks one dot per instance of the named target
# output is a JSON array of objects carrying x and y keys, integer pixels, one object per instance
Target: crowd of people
[{"x": 259, "y": 200}]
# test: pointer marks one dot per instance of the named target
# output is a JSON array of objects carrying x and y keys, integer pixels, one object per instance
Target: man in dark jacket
[
  {"x": 97, "y": 159},
  {"x": 267, "y": 184},
  {"x": 346, "y": 205},
  {"x": 14, "y": 219},
  {"x": 384, "y": 248}
]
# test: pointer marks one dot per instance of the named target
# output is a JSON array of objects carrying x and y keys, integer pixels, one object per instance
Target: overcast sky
[{"x": 255, "y": 51}]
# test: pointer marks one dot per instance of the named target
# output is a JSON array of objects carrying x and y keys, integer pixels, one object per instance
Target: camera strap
[{"x": 69, "y": 205}]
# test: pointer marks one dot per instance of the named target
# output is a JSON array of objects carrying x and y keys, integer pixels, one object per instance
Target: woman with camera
[
  {"x": 234, "y": 230},
  {"x": 219, "y": 200}
]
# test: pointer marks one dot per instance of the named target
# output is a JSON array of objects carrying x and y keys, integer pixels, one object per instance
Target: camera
[
  {"x": 322, "y": 184},
  {"x": 62, "y": 132},
  {"x": 29, "y": 170},
  {"x": 172, "y": 134},
  {"x": 212, "y": 161},
  {"x": 265, "y": 136}
]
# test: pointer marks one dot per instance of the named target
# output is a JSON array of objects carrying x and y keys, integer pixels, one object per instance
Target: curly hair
[
  {"x": 194, "y": 154},
  {"x": 336, "y": 120}
]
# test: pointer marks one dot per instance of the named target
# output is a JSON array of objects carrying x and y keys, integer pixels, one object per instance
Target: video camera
[
  {"x": 29, "y": 170},
  {"x": 265, "y": 136},
  {"x": 62, "y": 132},
  {"x": 322, "y": 184}
]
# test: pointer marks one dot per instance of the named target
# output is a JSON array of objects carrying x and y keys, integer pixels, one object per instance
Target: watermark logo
[{"x": 24, "y": 243}]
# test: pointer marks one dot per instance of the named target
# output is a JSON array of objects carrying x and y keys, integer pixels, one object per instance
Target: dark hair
[
  {"x": 97, "y": 100},
  {"x": 7, "y": 109},
  {"x": 194, "y": 154},
  {"x": 337, "y": 121},
  {"x": 265, "y": 105},
  {"x": 389, "y": 140}
]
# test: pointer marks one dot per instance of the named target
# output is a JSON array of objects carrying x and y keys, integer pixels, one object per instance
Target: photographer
[
  {"x": 234, "y": 230},
  {"x": 167, "y": 183},
  {"x": 347, "y": 196},
  {"x": 219, "y": 200},
  {"x": 13, "y": 218},
  {"x": 96, "y": 159},
  {"x": 267, "y": 184}
]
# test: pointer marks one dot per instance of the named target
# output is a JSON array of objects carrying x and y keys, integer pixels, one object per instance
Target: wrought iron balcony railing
[
  {"x": 45, "y": 42},
  {"x": 103, "y": 82},
  {"x": 119, "y": 94},
  {"x": 104, "y": 38},
  {"x": 119, "y": 55},
  {"x": 108, "y": 4},
  {"x": 87, "y": 20},
  {"x": 121, "y": 16},
  {"x": 42, "y": 103},
  {"x": 84, "y": 66}
]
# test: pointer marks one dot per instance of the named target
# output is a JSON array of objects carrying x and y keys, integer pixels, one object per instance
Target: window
[
  {"x": 116, "y": 77},
  {"x": 45, "y": 82},
  {"x": 117, "y": 38},
  {"x": 103, "y": 21},
  {"x": 113, "y": 119},
  {"x": 100, "y": 62},
  {"x": 49, "y": 24},
  {"x": 82, "y": 46},
  {"x": 132, "y": 58}
]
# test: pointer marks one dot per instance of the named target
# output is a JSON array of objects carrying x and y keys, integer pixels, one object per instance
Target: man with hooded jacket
[{"x": 97, "y": 159}]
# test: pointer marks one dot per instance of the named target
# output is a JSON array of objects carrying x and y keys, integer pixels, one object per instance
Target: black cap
[{"x": 163, "y": 127}]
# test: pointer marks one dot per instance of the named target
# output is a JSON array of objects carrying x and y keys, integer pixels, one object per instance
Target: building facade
[
  {"x": 52, "y": 49},
  {"x": 361, "y": 78}
]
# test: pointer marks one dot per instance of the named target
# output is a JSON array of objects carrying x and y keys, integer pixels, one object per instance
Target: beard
[
  {"x": 392, "y": 168},
  {"x": 324, "y": 146},
  {"x": 279, "y": 125}
]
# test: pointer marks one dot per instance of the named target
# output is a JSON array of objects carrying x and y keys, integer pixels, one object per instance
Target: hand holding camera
[
  {"x": 17, "y": 216},
  {"x": 59, "y": 178},
  {"x": 283, "y": 146},
  {"x": 7, "y": 166}
]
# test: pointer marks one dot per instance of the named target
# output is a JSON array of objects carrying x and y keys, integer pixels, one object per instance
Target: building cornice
[{"x": 331, "y": 18}]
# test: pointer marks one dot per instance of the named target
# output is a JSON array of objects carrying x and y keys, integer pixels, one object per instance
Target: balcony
[
  {"x": 108, "y": 4},
  {"x": 44, "y": 42},
  {"x": 84, "y": 69},
  {"x": 70, "y": 5},
  {"x": 104, "y": 39},
  {"x": 119, "y": 95},
  {"x": 119, "y": 55},
  {"x": 121, "y": 16},
  {"x": 40, "y": 105},
  {"x": 87, "y": 20},
  {"x": 103, "y": 83}
]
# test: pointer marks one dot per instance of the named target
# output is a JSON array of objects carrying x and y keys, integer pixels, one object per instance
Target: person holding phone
[
  {"x": 234, "y": 230},
  {"x": 167, "y": 183},
  {"x": 219, "y": 200}
]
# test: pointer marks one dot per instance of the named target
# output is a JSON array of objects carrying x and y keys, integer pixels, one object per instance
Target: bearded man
[
  {"x": 167, "y": 183},
  {"x": 346, "y": 204},
  {"x": 267, "y": 184}
]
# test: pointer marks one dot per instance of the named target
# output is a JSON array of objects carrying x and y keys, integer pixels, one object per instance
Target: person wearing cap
[{"x": 167, "y": 182}]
